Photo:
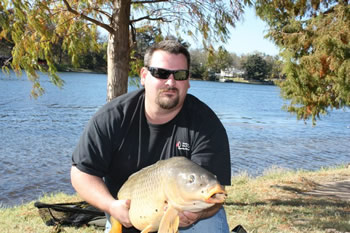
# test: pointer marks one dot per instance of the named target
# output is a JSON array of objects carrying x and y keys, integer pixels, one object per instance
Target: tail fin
[{"x": 116, "y": 226}]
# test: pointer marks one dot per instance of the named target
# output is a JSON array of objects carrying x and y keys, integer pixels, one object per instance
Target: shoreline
[
  {"x": 221, "y": 80},
  {"x": 245, "y": 81}
]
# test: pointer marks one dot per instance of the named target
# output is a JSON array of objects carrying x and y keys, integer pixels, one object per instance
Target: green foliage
[
  {"x": 315, "y": 39},
  {"x": 35, "y": 28},
  {"x": 144, "y": 37},
  {"x": 198, "y": 64},
  {"x": 255, "y": 67},
  {"x": 274, "y": 66},
  {"x": 45, "y": 32},
  {"x": 95, "y": 60},
  {"x": 219, "y": 60},
  {"x": 205, "y": 63}
]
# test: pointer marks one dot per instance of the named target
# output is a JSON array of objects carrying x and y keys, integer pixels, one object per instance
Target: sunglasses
[{"x": 179, "y": 75}]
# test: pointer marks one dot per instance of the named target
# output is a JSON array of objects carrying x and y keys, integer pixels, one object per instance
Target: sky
[{"x": 248, "y": 36}]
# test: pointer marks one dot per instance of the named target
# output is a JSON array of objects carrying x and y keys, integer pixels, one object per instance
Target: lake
[{"x": 38, "y": 136}]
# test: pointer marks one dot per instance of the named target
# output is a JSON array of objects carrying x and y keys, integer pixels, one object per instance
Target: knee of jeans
[{"x": 215, "y": 224}]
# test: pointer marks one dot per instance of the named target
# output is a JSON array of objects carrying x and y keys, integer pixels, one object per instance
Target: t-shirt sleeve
[{"x": 94, "y": 150}]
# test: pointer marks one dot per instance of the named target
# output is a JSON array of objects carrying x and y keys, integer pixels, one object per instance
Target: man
[{"x": 139, "y": 128}]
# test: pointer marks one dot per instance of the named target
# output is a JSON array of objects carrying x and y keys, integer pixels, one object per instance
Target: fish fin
[
  {"x": 116, "y": 226},
  {"x": 147, "y": 229},
  {"x": 170, "y": 221}
]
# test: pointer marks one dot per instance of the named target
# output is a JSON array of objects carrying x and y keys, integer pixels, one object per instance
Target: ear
[{"x": 143, "y": 75}]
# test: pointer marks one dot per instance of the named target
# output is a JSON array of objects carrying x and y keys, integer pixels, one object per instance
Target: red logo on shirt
[{"x": 182, "y": 146}]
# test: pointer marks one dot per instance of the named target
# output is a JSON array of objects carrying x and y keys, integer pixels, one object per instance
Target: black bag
[
  {"x": 71, "y": 214},
  {"x": 238, "y": 229}
]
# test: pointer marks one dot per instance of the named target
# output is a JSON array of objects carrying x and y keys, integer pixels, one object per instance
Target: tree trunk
[{"x": 118, "y": 54}]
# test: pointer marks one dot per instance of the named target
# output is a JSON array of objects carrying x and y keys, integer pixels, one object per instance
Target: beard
[{"x": 168, "y": 102}]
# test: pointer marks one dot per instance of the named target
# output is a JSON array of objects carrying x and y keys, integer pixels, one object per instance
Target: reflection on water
[{"x": 38, "y": 136}]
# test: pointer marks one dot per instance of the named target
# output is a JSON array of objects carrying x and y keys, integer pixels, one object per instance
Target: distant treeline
[{"x": 205, "y": 64}]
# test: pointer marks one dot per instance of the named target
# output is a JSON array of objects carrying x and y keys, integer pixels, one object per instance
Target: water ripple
[{"x": 38, "y": 136}]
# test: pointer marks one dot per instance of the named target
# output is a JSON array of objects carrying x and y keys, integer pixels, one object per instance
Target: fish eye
[{"x": 191, "y": 178}]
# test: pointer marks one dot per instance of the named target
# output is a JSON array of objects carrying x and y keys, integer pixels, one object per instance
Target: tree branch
[
  {"x": 7, "y": 61},
  {"x": 149, "y": 1},
  {"x": 105, "y": 26},
  {"x": 103, "y": 12},
  {"x": 149, "y": 18}
]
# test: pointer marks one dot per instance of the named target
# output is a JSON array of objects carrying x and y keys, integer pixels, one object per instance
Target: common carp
[{"x": 160, "y": 191}]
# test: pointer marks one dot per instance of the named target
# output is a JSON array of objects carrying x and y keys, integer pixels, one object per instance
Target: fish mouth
[{"x": 216, "y": 194}]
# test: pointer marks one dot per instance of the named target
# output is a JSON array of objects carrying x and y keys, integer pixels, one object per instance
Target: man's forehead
[{"x": 166, "y": 57}]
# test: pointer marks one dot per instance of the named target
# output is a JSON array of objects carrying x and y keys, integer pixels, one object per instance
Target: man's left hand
[{"x": 188, "y": 218}]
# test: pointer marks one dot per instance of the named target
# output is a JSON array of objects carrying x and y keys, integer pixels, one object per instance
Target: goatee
[{"x": 168, "y": 102}]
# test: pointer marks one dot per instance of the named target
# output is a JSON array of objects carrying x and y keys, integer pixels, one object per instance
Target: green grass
[{"x": 273, "y": 202}]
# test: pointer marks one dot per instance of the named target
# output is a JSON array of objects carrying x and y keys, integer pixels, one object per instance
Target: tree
[
  {"x": 198, "y": 64},
  {"x": 274, "y": 66},
  {"x": 255, "y": 67},
  {"x": 219, "y": 60},
  {"x": 34, "y": 26},
  {"x": 314, "y": 37},
  {"x": 145, "y": 36},
  {"x": 235, "y": 60},
  {"x": 5, "y": 51}
]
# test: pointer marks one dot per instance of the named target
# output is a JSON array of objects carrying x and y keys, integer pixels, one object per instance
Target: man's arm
[{"x": 93, "y": 190}]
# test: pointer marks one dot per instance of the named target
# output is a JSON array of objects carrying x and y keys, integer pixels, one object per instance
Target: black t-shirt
[{"x": 119, "y": 141}]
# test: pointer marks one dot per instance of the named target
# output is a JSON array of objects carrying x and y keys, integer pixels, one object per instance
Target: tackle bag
[
  {"x": 71, "y": 214},
  {"x": 238, "y": 229}
]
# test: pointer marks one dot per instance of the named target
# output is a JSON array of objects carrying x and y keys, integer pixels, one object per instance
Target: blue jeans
[{"x": 214, "y": 224}]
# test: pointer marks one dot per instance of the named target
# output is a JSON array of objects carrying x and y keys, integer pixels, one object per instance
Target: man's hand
[
  {"x": 119, "y": 209},
  {"x": 188, "y": 218},
  {"x": 93, "y": 190}
]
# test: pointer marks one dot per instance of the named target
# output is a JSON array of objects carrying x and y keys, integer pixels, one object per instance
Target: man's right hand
[
  {"x": 93, "y": 190},
  {"x": 119, "y": 209}
]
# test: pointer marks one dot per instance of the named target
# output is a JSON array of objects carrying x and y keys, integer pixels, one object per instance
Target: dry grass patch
[{"x": 279, "y": 201}]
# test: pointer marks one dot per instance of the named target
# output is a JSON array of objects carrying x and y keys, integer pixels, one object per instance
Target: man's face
[{"x": 165, "y": 93}]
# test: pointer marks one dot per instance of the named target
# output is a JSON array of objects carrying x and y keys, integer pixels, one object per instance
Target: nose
[{"x": 170, "y": 81}]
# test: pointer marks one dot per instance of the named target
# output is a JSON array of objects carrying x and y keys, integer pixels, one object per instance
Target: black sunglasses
[{"x": 179, "y": 75}]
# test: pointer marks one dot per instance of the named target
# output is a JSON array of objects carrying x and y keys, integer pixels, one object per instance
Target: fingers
[
  {"x": 120, "y": 211},
  {"x": 188, "y": 218}
]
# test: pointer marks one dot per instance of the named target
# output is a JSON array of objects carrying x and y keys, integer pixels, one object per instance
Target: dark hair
[{"x": 170, "y": 46}]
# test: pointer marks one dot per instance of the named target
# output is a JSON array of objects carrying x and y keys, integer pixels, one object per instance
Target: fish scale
[{"x": 142, "y": 187}]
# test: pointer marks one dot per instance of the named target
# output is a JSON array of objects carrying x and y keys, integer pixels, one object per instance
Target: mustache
[{"x": 169, "y": 89}]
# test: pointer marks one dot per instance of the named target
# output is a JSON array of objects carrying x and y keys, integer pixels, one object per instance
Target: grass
[
  {"x": 273, "y": 202},
  {"x": 276, "y": 202}
]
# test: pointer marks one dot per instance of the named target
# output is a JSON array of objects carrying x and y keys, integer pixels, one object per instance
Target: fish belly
[{"x": 144, "y": 189}]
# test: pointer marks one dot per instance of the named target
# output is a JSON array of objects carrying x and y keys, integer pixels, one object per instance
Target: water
[{"x": 38, "y": 136}]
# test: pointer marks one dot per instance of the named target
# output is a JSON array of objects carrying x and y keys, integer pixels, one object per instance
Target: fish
[{"x": 159, "y": 192}]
